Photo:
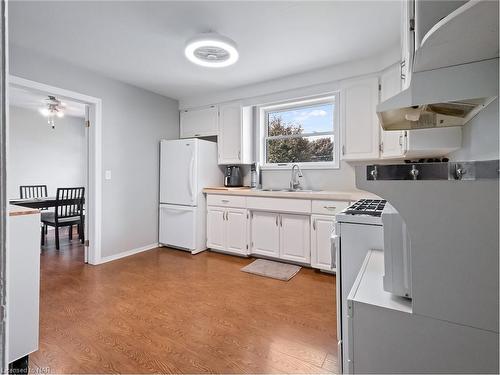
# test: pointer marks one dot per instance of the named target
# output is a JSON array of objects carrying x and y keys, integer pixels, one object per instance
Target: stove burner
[{"x": 371, "y": 207}]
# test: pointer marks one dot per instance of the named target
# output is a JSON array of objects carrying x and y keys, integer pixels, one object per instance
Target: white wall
[
  {"x": 480, "y": 137},
  {"x": 133, "y": 121},
  {"x": 40, "y": 155}
]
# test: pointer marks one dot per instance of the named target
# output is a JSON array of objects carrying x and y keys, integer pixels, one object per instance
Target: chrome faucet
[{"x": 294, "y": 179}]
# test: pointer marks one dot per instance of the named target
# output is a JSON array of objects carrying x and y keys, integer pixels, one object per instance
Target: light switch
[{"x": 107, "y": 175}]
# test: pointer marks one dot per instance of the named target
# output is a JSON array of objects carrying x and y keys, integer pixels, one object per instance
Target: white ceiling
[
  {"x": 19, "y": 97},
  {"x": 142, "y": 42}
]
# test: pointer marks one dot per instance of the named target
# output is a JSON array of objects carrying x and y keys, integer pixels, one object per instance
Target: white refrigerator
[{"x": 187, "y": 166}]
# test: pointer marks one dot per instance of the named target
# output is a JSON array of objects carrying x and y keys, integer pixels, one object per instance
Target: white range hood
[
  {"x": 442, "y": 97},
  {"x": 454, "y": 72}
]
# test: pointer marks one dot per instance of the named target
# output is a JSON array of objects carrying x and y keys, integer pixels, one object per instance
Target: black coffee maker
[{"x": 233, "y": 177}]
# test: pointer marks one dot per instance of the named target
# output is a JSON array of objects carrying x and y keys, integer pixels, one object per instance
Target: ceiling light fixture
[
  {"x": 211, "y": 50},
  {"x": 53, "y": 107}
]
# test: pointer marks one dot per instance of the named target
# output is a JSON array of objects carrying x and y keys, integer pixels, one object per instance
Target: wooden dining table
[{"x": 44, "y": 202}]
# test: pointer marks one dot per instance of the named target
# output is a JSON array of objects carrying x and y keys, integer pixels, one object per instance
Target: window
[{"x": 301, "y": 132}]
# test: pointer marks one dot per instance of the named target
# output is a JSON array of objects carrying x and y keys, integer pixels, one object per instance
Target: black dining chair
[
  {"x": 34, "y": 191},
  {"x": 68, "y": 212}
]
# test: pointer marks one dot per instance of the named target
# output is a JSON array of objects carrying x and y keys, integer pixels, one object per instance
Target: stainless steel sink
[{"x": 290, "y": 190}]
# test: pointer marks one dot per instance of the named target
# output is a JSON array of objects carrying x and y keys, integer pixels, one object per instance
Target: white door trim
[{"x": 94, "y": 196}]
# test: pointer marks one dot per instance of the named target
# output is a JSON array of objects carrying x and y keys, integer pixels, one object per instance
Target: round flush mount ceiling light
[{"x": 211, "y": 50}]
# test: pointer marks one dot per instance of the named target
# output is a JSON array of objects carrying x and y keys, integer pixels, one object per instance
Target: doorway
[
  {"x": 88, "y": 110},
  {"x": 47, "y": 162}
]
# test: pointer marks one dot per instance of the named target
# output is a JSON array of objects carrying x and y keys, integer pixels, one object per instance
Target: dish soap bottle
[{"x": 253, "y": 176}]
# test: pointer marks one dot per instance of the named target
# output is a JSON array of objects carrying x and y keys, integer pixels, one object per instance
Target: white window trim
[{"x": 261, "y": 118}]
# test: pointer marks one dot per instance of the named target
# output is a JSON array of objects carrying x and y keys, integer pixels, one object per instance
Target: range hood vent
[{"x": 442, "y": 97}]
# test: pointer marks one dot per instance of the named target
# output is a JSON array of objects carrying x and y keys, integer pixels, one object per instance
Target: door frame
[{"x": 94, "y": 157}]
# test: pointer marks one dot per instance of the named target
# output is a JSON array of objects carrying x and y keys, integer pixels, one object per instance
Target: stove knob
[{"x": 414, "y": 172}]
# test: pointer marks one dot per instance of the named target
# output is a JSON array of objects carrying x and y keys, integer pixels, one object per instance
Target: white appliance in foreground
[
  {"x": 450, "y": 324},
  {"x": 356, "y": 235},
  {"x": 23, "y": 285},
  {"x": 186, "y": 167}
]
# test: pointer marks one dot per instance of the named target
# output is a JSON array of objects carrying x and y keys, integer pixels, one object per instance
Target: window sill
[{"x": 303, "y": 166}]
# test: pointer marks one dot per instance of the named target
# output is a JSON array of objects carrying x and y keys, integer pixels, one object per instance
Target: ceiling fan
[{"x": 53, "y": 107}]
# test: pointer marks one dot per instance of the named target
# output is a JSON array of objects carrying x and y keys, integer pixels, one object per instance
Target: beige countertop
[
  {"x": 326, "y": 195},
  {"x": 19, "y": 210}
]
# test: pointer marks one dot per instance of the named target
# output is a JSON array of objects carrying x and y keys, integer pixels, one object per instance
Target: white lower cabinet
[
  {"x": 236, "y": 230},
  {"x": 216, "y": 227},
  {"x": 227, "y": 229},
  {"x": 283, "y": 236},
  {"x": 295, "y": 238},
  {"x": 265, "y": 233},
  {"x": 322, "y": 227},
  {"x": 294, "y": 230}
]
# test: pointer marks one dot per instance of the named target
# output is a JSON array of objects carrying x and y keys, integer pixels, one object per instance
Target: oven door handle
[{"x": 335, "y": 246}]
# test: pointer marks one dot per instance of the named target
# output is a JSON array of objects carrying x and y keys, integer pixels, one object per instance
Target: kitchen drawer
[
  {"x": 279, "y": 205},
  {"x": 226, "y": 200},
  {"x": 328, "y": 207}
]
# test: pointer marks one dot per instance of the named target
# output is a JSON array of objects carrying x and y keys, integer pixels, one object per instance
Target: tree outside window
[{"x": 301, "y": 134}]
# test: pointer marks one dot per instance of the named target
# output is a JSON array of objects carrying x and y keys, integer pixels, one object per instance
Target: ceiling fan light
[
  {"x": 44, "y": 111},
  {"x": 211, "y": 50}
]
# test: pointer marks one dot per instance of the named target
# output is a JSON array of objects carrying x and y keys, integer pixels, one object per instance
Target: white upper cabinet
[
  {"x": 360, "y": 126},
  {"x": 407, "y": 41},
  {"x": 199, "y": 122},
  {"x": 392, "y": 142},
  {"x": 235, "y": 134}
]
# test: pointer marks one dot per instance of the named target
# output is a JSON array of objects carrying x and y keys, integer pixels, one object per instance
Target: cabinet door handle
[
  {"x": 314, "y": 224},
  {"x": 224, "y": 201},
  {"x": 329, "y": 207},
  {"x": 277, "y": 220},
  {"x": 239, "y": 155},
  {"x": 281, "y": 221}
]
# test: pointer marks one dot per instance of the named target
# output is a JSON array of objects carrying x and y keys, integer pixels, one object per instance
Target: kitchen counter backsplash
[{"x": 341, "y": 179}]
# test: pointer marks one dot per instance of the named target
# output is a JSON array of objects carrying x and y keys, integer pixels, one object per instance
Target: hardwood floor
[{"x": 166, "y": 311}]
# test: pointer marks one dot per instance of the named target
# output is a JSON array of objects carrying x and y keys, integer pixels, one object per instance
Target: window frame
[{"x": 298, "y": 103}]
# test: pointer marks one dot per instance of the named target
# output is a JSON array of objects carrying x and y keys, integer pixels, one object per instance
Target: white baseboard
[{"x": 127, "y": 253}]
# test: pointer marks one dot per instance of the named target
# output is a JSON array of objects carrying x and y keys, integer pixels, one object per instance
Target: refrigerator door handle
[
  {"x": 191, "y": 178},
  {"x": 173, "y": 210}
]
